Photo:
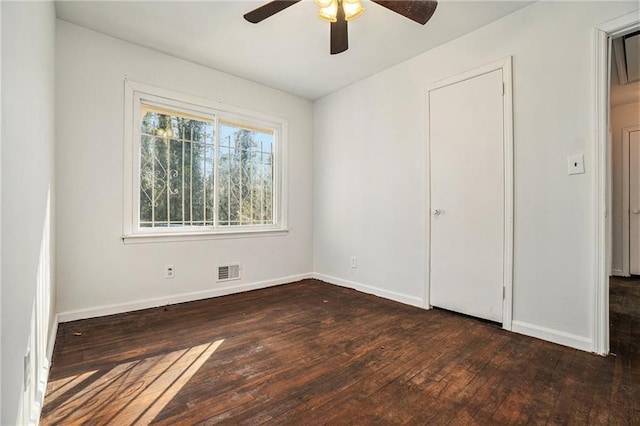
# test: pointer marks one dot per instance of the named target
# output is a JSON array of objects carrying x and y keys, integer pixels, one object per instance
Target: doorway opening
[
  {"x": 624, "y": 139},
  {"x": 624, "y": 113},
  {"x": 604, "y": 36}
]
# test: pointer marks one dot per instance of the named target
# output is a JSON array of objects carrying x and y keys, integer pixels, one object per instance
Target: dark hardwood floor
[{"x": 313, "y": 353}]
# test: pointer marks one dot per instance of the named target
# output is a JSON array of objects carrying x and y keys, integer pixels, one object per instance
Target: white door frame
[
  {"x": 602, "y": 172},
  {"x": 626, "y": 230},
  {"x": 507, "y": 99}
]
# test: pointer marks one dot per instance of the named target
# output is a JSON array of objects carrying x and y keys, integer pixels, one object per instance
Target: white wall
[
  {"x": 370, "y": 168},
  {"x": 28, "y": 34},
  {"x": 95, "y": 269},
  {"x": 1, "y": 135}
]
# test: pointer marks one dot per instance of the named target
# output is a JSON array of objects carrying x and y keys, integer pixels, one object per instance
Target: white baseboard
[
  {"x": 53, "y": 332},
  {"x": 619, "y": 273},
  {"x": 100, "y": 311},
  {"x": 41, "y": 387},
  {"x": 376, "y": 291},
  {"x": 551, "y": 335}
]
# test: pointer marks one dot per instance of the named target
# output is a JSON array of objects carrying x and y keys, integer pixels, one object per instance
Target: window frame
[{"x": 138, "y": 93}]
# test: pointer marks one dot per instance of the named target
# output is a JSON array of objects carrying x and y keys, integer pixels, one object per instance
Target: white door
[
  {"x": 634, "y": 202},
  {"x": 467, "y": 196}
]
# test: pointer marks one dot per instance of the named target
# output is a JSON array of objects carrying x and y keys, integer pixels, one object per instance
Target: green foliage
[
  {"x": 177, "y": 174},
  {"x": 245, "y": 174}
]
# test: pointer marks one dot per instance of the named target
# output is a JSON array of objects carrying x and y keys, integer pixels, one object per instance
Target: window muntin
[{"x": 199, "y": 170}]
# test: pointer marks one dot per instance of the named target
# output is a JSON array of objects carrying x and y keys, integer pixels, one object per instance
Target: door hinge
[
  {"x": 503, "y": 291},
  {"x": 502, "y": 89}
]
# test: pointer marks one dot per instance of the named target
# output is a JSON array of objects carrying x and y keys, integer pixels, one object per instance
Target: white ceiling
[{"x": 288, "y": 51}]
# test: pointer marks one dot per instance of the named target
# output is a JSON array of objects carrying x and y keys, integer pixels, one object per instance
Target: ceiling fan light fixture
[
  {"x": 325, "y": 3},
  {"x": 339, "y": 12},
  {"x": 328, "y": 10},
  {"x": 352, "y": 9}
]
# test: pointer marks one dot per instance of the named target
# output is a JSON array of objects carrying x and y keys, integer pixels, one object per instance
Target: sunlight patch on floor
[{"x": 136, "y": 391}]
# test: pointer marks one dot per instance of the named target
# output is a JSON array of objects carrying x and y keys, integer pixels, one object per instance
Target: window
[{"x": 196, "y": 168}]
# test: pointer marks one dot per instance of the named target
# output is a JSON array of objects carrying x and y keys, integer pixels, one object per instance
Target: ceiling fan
[{"x": 340, "y": 12}]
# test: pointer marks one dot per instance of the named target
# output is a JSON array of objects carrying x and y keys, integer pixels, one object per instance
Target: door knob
[
  {"x": 436, "y": 212},
  {"x": 635, "y": 211}
]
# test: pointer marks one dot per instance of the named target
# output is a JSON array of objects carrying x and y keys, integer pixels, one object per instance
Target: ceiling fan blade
[
  {"x": 269, "y": 9},
  {"x": 339, "y": 34},
  {"x": 419, "y": 11}
]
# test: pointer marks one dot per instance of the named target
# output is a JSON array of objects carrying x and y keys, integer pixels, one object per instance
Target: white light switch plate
[{"x": 575, "y": 164}]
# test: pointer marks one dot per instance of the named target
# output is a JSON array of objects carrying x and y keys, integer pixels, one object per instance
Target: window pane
[
  {"x": 176, "y": 170},
  {"x": 245, "y": 177}
]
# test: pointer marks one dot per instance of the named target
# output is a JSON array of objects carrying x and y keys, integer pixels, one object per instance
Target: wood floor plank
[{"x": 312, "y": 353}]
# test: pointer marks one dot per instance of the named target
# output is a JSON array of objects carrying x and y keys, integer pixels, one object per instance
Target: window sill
[{"x": 200, "y": 236}]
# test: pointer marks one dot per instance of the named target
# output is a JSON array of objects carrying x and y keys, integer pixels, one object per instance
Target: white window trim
[{"x": 134, "y": 92}]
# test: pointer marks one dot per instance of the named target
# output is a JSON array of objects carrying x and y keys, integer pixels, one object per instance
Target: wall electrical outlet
[
  {"x": 169, "y": 271},
  {"x": 354, "y": 262}
]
